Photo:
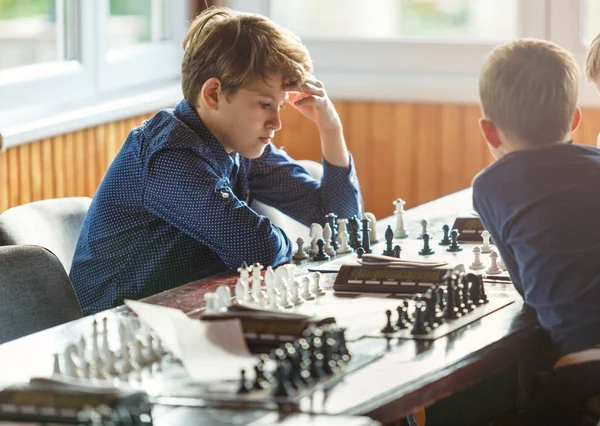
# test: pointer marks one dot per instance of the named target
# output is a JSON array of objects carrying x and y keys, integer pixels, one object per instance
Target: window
[
  {"x": 591, "y": 20},
  {"x": 68, "y": 53}
]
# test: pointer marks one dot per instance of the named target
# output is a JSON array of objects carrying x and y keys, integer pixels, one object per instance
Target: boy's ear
[
  {"x": 211, "y": 92},
  {"x": 576, "y": 119},
  {"x": 490, "y": 132}
]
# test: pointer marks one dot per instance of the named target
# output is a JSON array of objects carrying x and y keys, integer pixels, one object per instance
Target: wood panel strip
[
  {"x": 15, "y": 181},
  {"x": 4, "y": 182},
  {"x": 36, "y": 171},
  {"x": 48, "y": 179}
]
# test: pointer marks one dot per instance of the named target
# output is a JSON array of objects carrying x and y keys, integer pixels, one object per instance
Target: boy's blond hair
[
  {"x": 592, "y": 60},
  {"x": 238, "y": 48},
  {"x": 528, "y": 88}
]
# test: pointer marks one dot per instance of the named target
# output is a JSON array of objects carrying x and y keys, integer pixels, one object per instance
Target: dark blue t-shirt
[{"x": 543, "y": 211}]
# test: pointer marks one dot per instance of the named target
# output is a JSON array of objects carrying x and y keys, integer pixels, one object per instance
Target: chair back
[
  {"x": 35, "y": 292},
  {"x": 53, "y": 224}
]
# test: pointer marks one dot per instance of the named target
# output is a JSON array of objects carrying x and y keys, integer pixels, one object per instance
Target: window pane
[
  {"x": 133, "y": 22},
  {"x": 33, "y": 32},
  {"x": 397, "y": 19},
  {"x": 591, "y": 20}
]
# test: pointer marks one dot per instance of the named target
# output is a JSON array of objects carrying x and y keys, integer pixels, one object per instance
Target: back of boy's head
[
  {"x": 528, "y": 88},
  {"x": 592, "y": 60},
  {"x": 239, "y": 48}
]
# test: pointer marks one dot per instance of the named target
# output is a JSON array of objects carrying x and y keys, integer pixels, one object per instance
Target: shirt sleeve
[
  {"x": 277, "y": 180},
  {"x": 182, "y": 189}
]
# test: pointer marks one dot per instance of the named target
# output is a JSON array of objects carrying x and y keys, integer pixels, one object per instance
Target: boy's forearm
[{"x": 333, "y": 146}]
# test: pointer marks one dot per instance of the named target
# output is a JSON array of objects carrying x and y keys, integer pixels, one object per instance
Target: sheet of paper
[{"x": 209, "y": 351}]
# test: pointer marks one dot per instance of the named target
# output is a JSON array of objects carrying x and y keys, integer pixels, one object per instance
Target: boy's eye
[{"x": 264, "y": 105}]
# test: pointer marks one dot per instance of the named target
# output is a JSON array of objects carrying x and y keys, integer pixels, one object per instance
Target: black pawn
[
  {"x": 332, "y": 218},
  {"x": 359, "y": 252},
  {"x": 402, "y": 321},
  {"x": 426, "y": 249},
  {"x": 450, "y": 310},
  {"x": 420, "y": 326},
  {"x": 389, "y": 240},
  {"x": 260, "y": 381},
  {"x": 321, "y": 255},
  {"x": 397, "y": 251},
  {"x": 389, "y": 328},
  {"x": 282, "y": 386},
  {"x": 244, "y": 387},
  {"x": 353, "y": 227},
  {"x": 366, "y": 242},
  {"x": 454, "y": 246},
  {"x": 466, "y": 294},
  {"x": 446, "y": 240}
]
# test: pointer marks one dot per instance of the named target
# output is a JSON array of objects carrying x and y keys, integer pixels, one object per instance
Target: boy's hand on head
[{"x": 312, "y": 101}]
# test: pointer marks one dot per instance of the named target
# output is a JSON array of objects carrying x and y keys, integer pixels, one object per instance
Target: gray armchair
[{"x": 53, "y": 224}]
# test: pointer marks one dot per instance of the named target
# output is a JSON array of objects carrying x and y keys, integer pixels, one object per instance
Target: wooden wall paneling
[
  {"x": 14, "y": 181},
  {"x": 382, "y": 160},
  {"x": 24, "y": 173},
  {"x": 37, "y": 168},
  {"x": 589, "y": 127},
  {"x": 80, "y": 163},
  {"x": 47, "y": 170},
  {"x": 357, "y": 132},
  {"x": 70, "y": 164},
  {"x": 452, "y": 148},
  {"x": 428, "y": 154},
  {"x": 4, "y": 181},
  {"x": 101, "y": 154},
  {"x": 90, "y": 171},
  {"x": 111, "y": 144},
  {"x": 298, "y": 136},
  {"x": 475, "y": 148},
  {"x": 58, "y": 156},
  {"x": 405, "y": 170}
]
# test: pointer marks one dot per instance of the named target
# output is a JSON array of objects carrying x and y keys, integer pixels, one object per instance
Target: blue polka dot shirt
[{"x": 173, "y": 208}]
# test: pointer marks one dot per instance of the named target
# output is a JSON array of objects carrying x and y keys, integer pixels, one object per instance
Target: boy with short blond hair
[
  {"x": 540, "y": 203},
  {"x": 174, "y": 205},
  {"x": 592, "y": 62}
]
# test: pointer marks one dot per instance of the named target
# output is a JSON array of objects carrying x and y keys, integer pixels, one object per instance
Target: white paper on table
[{"x": 211, "y": 350}]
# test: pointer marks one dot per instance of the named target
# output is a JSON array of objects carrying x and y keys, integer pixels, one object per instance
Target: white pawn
[
  {"x": 424, "y": 224},
  {"x": 486, "y": 247},
  {"x": 209, "y": 303},
  {"x": 327, "y": 237},
  {"x": 122, "y": 335},
  {"x": 316, "y": 285},
  {"x": 296, "y": 299},
  {"x": 306, "y": 293},
  {"x": 400, "y": 231},
  {"x": 343, "y": 237},
  {"x": 111, "y": 367},
  {"x": 56, "y": 367},
  {"x": 81, "y": 348},
  {"x": 96, "y": 358},
  {"x": 284, "y": 300},
  {"x": 240, "y": 292},
  {"x": 477, "y": 263},
  {"x": 126, "y": 366},
  {"x": 299, "y": 255},
  {"x": 501, "y": 264},
  {"x": 270, "y": 280},
  {"x": 373, "y": 225},
  {"x": 316, "y": 233},
  {"x": 138, "y": 353},
  {"x": 224, "y": 295},
  {"x": 105, "y": 345},
  {"x": 70, "y": 367},
  {"x": 153, "y": 356},
  {"x": 256, "y": 283},
  {"x": 493, "y": 269}
]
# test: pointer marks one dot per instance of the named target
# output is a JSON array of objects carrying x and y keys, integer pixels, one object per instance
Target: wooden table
[{"x": 410, "y": 374}]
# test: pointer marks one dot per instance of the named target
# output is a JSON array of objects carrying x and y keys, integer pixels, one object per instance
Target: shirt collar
[{"x": 186, "y": 113}]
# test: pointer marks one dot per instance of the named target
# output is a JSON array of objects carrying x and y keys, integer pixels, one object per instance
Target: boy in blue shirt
[
  {"x": 540, "y": 203},
  {"x": 173, "y": 206}
]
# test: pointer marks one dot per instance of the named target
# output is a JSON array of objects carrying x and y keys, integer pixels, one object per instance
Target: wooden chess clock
[{"x": 469, "y": 228}]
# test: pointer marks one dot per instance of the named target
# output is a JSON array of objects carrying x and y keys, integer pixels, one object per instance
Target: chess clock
[
  {"x": 392, "y": 280},
  {"x": 469, "y": 228}
]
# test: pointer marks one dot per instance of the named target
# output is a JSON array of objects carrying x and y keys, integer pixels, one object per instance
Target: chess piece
[
  {"x": 397, "y": 251},
  {"x": 454, "y": 246},
  {"x": 306, "y": 293},
  {"x": 243, "y": 387},
  {"x": 373, "y": 233},
  {"x": 296, "y": 299},
  {"x": 299, "y": 255},
  {"x": 333, "y": 224},
  {"x": 343, "y": 237},
  {"x": 316, "y": 233},
  {"x": 426, "y": 250},
  {"x": 451, "y": 310},
  {"x": 70, "y": 367},
  {"x": 366, "y": 243},
  {"x": 260, "y": 380},
  {"x": 354, "y": 227},
  {"x": 284, "y": 294},
  {"x": 56, "y": 366},
  {"x": 282, "y": 387},
  {"x": 446, "y": 239},
  {"x": 105, "y": 345},
  {"x": 477, "y": 263},
  {"x": 320, "y": 254},
  {"x": 359, "y": 252},
  {"x": 327, "y": 239},
  {"x": 209, "y": 303},
  {"x": 240, "y": 292},
  {"x": 501, "y": 264},
  {"x": 256, "y": 280},
  {"x": 486, "y": 247},
  {"x": 424, "y": 224},
  {"x": 389, "y": 328},
  {"x": 400, "y": 231},
  {"x": 402, "y": 321},
  {"x": 316, "y": 287},
  {"x": 389, "y": 240},
  {"x": 494, "y": 269},
  {"x": 223, "y": 294},
  {"x": 420, "y": 326}
]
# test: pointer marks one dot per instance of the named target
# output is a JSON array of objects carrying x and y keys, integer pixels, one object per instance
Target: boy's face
[{"x": 248, "y": 119}]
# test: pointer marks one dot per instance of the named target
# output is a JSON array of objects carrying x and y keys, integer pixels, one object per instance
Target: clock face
[
  {"x": 469, "y": 228},
  {"x": 387, "y": 274}
]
